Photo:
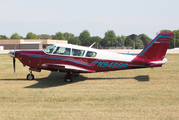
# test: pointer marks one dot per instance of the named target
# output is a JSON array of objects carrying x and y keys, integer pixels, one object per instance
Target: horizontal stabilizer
[{"x": 158, "y": 63}]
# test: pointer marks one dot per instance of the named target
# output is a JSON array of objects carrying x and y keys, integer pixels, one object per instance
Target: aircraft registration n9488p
[{"x": 74, "y": 59}]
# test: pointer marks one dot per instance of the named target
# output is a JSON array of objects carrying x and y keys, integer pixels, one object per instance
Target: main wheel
[
  {"x": 30, "y": 77},
  {"x": 68, "y": 77}
]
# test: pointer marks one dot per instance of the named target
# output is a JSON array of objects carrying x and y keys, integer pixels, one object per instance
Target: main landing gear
[
  {"x": 69, "y": 75},
  {"x": 30, "y": 76}
]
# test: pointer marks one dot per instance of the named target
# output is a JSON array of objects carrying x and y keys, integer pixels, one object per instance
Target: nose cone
[{"x": 11, "y": 54}]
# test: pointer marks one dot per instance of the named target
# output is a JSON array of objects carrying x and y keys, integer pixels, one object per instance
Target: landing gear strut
[
  {"x": 68, "y": 77},
  {"x": 30, "y": 76}
]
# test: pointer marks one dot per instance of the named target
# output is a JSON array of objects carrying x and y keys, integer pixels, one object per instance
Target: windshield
[{"x": 49, "y": 49}]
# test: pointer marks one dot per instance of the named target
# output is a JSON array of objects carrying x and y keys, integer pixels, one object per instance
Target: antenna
[{"x": 92, "y": 45}]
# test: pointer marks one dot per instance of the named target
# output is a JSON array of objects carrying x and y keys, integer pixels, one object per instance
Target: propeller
[{"x": 12, "y": 54}]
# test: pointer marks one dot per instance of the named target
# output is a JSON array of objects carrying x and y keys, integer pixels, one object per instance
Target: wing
[{"x": 66, "y": 67}]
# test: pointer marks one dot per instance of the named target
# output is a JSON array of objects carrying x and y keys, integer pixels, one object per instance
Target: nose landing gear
[{"x": 30, "y": 76}]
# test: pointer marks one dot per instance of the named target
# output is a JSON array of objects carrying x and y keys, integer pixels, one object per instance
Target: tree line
[{"x": 110, "y": 39}]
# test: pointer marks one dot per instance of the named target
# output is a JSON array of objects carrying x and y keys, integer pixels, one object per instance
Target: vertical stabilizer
[{"x": 157, "y": 48}]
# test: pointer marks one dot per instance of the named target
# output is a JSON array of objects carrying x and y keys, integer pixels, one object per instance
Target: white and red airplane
[{"x": 74, "y": 59}]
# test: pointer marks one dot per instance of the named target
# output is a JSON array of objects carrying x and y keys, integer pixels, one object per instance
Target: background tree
[
  {"x": 67, "y": 35},
  {"x": 3, "y": 37},
  {"x": 109, "y": 39},
  {"x": 88, "y": 42},
  {"x": 139, "y": 44},
  {"x": 74, "y": 41},
  {"x": 44, "y": 36},
  {"x": 96, "y": 39},
  {"x": 176, "y": 37},
  {"x": 16, "y": 36},
  {"x": 129, "y": 42},
  {"x": 120, "y": 42},
  {"x": 31, "y": 35},
  {"x": 84, "y": 37},
  {"x": 58, "y": 36},
  {"x": 145, "y": 39},
  {"x": 123, "y": 38}
]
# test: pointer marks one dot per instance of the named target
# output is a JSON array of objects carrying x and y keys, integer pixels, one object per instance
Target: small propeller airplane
[{"x": 74, "y": 59}]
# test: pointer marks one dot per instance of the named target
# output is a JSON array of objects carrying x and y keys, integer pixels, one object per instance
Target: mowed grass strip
[{"x": 129, "y": 94}]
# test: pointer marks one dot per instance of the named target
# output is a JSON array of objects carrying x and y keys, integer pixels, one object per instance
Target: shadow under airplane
[{"x": 57, "y": 79}]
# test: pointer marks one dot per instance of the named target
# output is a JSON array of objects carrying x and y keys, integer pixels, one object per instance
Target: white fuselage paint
[{"x": 101, "y": 54}]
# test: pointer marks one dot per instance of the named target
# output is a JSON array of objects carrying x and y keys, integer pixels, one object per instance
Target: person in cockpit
[{"x": 67, "y": 51}]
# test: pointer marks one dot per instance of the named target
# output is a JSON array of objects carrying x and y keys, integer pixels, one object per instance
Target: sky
[{"x": 124, "y": 17}]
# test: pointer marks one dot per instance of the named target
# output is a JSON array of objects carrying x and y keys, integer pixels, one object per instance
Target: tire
[
  {"x": 68, "y": 80},
  {"x": 30, "y": 77}
]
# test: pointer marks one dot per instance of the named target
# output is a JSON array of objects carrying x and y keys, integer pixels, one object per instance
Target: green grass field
[{"x": 130, "y": 94}]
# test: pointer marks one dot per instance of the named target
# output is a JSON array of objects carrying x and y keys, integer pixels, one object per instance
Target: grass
[{"x": 131, "y": 94}]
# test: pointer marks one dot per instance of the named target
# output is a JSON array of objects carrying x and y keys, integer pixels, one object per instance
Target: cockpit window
[
  {"x": 77, "y": 52},
  {"x": 91, "y": 54},
  {"x": 62, "y": 51},
  {"x": 49, "y": 49}
]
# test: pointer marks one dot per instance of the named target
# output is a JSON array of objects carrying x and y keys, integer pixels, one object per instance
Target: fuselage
[{"x": 85, "y": 59}]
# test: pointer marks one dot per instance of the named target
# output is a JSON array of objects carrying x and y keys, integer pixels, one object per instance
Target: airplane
[{"x": 75, "y": 59}]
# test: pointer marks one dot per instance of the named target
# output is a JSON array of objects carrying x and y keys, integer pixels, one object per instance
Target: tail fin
[{"x": 157, "y": 48}]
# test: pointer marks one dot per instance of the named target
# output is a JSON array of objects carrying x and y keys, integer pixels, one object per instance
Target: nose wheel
[{"x": 30, "y": 76}]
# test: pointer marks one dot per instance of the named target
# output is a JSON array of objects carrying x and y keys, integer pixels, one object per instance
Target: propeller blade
[
  {"x": 14, "y": 66},
  {"x": 12, "y": 54},
  {"x": 15, "y": 48}
]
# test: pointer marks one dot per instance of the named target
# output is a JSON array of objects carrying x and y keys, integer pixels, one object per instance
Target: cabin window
[
  {"x": 77, "y": 52},
  {"x": 49, "y": 49},
  {"x": 91, "y": 54},
  {"x": 62, "y": 51}
]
